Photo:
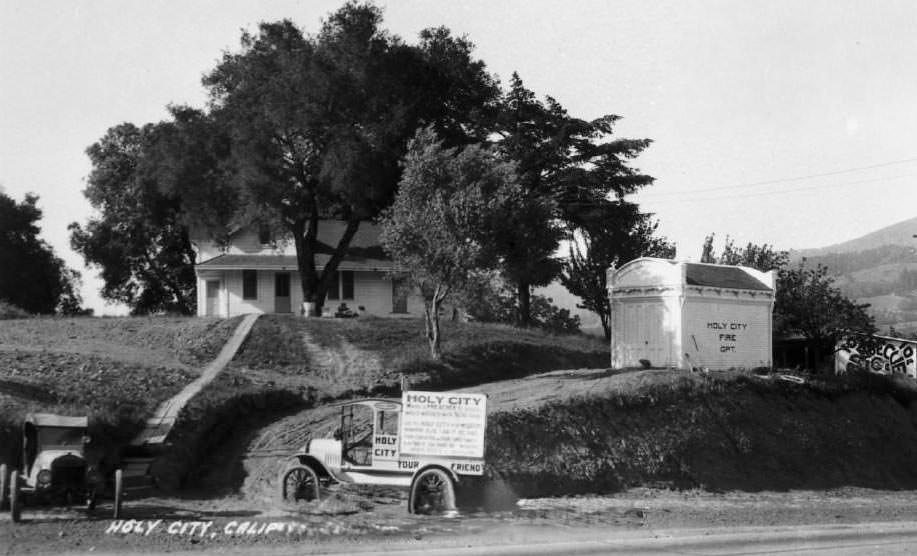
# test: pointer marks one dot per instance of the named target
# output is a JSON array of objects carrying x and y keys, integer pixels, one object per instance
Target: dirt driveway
[{"x": 160, "y": 524}]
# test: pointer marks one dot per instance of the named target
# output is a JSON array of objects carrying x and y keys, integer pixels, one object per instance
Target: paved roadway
[{"x": 896, "y": 538}]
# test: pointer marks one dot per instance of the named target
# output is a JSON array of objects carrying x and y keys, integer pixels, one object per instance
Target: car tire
[
  {"x": 15, "y": 498},
  {"x": 299, "y": 482},
  {"x": 432, "y": 492}
]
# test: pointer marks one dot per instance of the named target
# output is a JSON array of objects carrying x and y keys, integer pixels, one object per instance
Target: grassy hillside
[
  {"x": 732, "y": 431},
  {"x": 901, "y": 233},
  {"x": 115, "y": 370},
  {"x": 289, "y": 364},
  {"x": 339, "y": 356}
]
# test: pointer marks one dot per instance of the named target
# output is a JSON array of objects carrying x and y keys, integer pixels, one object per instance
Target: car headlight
[{"x": 44, "y": 477}]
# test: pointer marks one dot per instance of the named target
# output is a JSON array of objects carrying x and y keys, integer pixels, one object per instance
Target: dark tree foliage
[
  {"x": 566, "y": 165},
  {"x": 319, "y": 123},
  {"x": 808, "y": 304},
  {"x": 32, "y": 278},
  {"x": 139, "y": 240},
  {"x": 610, "y": 233}
]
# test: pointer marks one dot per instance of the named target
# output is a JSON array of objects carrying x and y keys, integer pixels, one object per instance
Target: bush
[{"x": 8, "y": 311}]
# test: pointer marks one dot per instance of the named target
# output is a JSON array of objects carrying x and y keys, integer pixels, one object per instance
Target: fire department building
[{"x": 684, "y": 315}]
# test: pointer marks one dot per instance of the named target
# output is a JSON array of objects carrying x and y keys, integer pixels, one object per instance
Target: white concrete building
[
  {"x": 681, "y": 315},
  {"x": 255, "y": 273}
]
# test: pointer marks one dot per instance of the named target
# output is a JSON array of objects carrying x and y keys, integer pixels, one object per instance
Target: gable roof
[{"x": 721, "y": 276}]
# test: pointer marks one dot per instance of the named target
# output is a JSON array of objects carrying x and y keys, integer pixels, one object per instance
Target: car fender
[
  {"x": 452, "y": 474},
  {"x": 306, "y": 459}
]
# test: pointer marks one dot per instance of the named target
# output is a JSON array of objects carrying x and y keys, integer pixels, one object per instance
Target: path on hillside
[{"x": 159, "y": 425}]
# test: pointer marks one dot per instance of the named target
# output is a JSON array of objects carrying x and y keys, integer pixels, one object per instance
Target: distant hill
[
  {"x": 879, "y": 268},
  {"x": 900, "y": 234}
]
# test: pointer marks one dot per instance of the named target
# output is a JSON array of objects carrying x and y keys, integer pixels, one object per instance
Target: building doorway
[
  {"x": 212, "y": 307},
  {"x": 282, "y": 292}
]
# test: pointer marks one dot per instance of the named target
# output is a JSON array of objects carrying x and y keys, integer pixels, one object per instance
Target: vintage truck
[
  {"x": 429, "y": 442},
  {"x": 54, "y": 467}
]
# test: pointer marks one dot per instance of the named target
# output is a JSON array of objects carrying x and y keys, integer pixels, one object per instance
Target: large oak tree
[{"x": 318, "y": 123}]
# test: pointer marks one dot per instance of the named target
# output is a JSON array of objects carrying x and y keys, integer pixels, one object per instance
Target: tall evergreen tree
[{"x": 566, "y": 165}]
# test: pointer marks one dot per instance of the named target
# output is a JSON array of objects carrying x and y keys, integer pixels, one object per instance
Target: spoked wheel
[
  {"x": 15, "y": 498},
  {"x": 300, "y": 483},
  {"x": 432, "y": 492}
]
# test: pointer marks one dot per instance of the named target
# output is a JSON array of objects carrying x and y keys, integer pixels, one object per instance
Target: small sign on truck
[{"x": 430, "y": 442}]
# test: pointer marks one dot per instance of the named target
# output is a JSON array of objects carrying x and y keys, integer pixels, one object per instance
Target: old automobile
[
  {"x": 53, "y": 466},
  {"x": 429, "y": 442}
]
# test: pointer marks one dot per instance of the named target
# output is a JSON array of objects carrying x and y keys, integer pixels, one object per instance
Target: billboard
[
  {"x": 445, "y": 424},
  {"x": 877, "y": 354}
]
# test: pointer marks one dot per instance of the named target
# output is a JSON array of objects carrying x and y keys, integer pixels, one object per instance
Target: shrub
[{"x": 8, "y": 311}]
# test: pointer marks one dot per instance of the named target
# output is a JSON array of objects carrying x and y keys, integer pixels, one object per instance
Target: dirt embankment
[
  {"x": 727, "y": 433},
  {"x": 603, "y": 431}
]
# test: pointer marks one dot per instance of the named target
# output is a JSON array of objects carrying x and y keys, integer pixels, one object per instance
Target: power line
[
  {"x": 784, "y": 180},
  {"x": 777, "y": 192}
]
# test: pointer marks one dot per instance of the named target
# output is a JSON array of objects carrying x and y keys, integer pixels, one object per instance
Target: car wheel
[
  {"x": 15, "y": 498},
  {"x": 432, "y": 491},
  {"x": 299, "y": 483},
  {"x": 119, "y": 493}
]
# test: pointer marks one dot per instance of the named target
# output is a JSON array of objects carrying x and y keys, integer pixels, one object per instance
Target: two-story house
[{"x": 257, "y": 273}]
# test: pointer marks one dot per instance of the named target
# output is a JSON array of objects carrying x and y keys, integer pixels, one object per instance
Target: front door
[
  {"x": 213, "y": 298},
  {"x": 282, "y": 292}
]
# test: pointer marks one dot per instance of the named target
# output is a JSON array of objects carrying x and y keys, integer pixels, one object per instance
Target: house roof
[
  {"x": 288, "y": 262},
  {"x": 721, "y": 276}
]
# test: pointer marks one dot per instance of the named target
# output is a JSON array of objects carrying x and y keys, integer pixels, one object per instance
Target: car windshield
[{"x": 61, "y": 436}]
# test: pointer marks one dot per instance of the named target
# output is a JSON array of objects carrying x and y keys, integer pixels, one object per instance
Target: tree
[
  {"x": 440, "y": 225},
  {"x": 139, "y": 239},
  {"x": 565, "y": 165},
  {"x": 33, "y": 277},
  {"x": 608, "y": 234},
  {"x": 319, "y": 123},
  {"x": 760, "y": 257},
  {"x": 807, "y": 303}
]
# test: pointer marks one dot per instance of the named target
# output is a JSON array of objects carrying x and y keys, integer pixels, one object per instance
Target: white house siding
[
  {"x": 724, "y": 333},
  {"x": 372, "y": 291}
]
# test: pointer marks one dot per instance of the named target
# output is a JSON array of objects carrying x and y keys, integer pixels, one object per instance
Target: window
[
  {"x": 333, "y": 294},
  {"x": 347, "y": 284},
  {"x": 249, "y": 284},
  {"x": 341, "y": 286}
]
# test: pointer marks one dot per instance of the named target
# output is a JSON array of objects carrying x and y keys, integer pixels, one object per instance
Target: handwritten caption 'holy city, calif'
[{"x": 204, "y": 529}]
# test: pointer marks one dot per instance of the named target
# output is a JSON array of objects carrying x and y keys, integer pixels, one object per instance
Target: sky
[{"x": 780, "y": 122}]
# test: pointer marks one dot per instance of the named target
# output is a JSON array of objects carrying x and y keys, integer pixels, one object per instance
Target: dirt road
[{"x": 347, "y": 522}]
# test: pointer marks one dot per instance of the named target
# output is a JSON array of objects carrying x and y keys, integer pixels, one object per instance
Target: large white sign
[{"x": 443, "y": 424}]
